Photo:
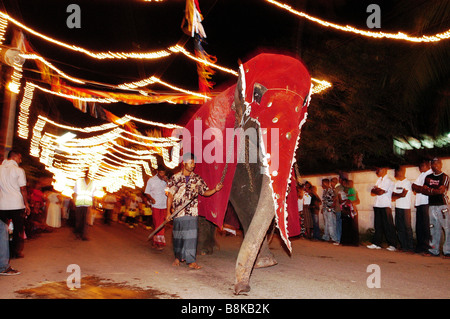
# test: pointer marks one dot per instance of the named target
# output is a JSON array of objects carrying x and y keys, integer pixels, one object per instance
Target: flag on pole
[{"x": 192, "y": 26}]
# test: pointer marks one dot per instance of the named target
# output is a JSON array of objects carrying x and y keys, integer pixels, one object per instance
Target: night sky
[{"x": 235, "y": 30}]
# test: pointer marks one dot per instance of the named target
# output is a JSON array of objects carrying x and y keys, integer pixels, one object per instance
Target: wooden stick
[{"x": 169, "y": 219}]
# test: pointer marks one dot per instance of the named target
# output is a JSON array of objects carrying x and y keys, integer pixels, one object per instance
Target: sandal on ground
[
  {"x": 194, "y": 266},
  {"x": 176, "y": 263}
]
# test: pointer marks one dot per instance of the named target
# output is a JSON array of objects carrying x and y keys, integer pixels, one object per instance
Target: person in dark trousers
[
  {"x": 436, "y": 187},
  {"x": 401, "y": 195},
  {"x": 383, "y": 221},
  {"x": 83, "y": 196},
  {"x": 421, "y": 203},
  {"x": 183, "y": 189}
]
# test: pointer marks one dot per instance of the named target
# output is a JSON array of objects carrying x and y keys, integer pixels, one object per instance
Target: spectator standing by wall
[
  {"x": 421, "y": 203},
  {"x": 436, "y": 187},
  {"x": 383, "y": 221},
  {"x": 329, "y": 215},
  {"x": 401, "y": 195}
]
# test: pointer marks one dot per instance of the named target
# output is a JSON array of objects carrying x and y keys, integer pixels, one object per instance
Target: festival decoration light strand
[
  {"x": 319, "y": 85},
  {"x": 14, "y": 84},
  {"x": 394, "y": 36},
  {"x": 154, "y": 79},
  {"x": 3, "y": 27},
  {"x": 322, "y": 84},
  {"x": 24, "y": 111},
  {"x": 133, "y": 85},
  {"x": 152, "y": 123},
  {"x": 88, "y": 129},
  {"x": 74, "y": 97},
  {"x": 51, "y": 66},
  {"x": 99, "y": 55},
  {"x": 112, "y": 55},
  {"x": 177, "y": 48},
  {"x": 150, "y": 138}
]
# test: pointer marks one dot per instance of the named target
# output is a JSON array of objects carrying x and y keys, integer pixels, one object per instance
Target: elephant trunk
[{"x": 253, "y": 239}]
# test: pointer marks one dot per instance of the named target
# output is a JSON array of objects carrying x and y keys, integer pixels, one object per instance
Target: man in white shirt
[
  {"x": 402, "y": 194},
  {"x": 155, "y": 191},
  {"x": 383, "y": 221},
  {"x": 308, "y": 222},
  {"x": 13, "y": 206},
  {"x": 421, "y": 203}
]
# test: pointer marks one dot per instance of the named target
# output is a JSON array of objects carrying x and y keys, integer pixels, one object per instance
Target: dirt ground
[{"x": 118, "y": 262}]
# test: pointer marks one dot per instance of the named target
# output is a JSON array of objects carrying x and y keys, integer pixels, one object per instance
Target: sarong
[
  {"x": 159, "y": 216},
  {"x": 184, "y": 233}
]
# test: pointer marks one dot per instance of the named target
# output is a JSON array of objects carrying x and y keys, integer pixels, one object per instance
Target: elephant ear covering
[
  {"x": 281, "y": 112},
  {"x": 277, "y": 92}
]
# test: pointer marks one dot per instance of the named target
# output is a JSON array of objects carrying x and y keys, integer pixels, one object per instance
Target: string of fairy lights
[
  {"x": 372, "y": 34},
  {"x": 114, "y": 55},
  {"x": 113, "y": 156}
]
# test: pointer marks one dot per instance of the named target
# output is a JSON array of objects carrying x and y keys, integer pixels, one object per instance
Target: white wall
[{"x": 363, "y": 181}]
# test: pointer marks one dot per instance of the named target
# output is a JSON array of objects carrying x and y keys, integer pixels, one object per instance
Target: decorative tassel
[{"x": 205, "y": 72}]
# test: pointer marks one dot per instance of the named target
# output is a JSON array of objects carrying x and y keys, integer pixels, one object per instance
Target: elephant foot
[
  {"x": 264, "y": 262},
  {"x": 241, "y": 287}
]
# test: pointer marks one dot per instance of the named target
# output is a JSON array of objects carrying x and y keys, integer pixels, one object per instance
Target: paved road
[{"x": 118, "y": 255}]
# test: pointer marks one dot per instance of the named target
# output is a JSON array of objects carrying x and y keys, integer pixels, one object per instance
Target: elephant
[{"x": 253, "y": 130}]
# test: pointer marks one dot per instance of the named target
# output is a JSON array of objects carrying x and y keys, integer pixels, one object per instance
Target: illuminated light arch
[{"x": 100, "y": 155}]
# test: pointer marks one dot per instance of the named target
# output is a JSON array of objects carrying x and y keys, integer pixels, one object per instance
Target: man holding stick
[{"x": 183, "y": 190}]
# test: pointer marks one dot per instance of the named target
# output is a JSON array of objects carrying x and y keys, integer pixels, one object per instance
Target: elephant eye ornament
[{"x": 258, "y": 92}]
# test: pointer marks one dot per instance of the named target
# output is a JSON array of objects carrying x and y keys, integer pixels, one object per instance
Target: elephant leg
[
  {"x": 253, "y": 239},
  {"x": 265, "y": 257},
  {"x": 206, "y": 236},
  {"x": 244, "y": 197}
]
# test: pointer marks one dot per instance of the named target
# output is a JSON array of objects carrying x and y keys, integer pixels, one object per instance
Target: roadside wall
[{"x": 363, "y": 182}]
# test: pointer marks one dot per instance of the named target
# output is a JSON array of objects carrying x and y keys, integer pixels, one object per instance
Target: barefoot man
[{"x": 184, "y": 188}]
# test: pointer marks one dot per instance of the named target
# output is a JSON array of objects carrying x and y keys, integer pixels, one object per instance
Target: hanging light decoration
[
  {"x": 109, "y": 163},
  {"x": 3, "y": 27},
  {"x": 24, "y": 111},
  {"x": 372, "y": 34}
]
